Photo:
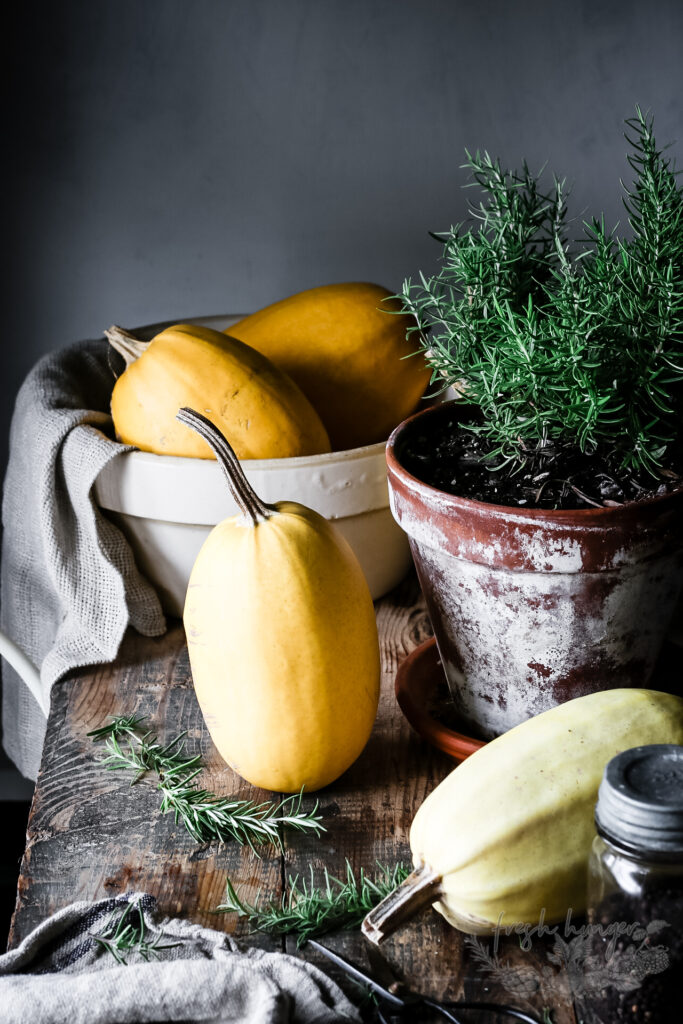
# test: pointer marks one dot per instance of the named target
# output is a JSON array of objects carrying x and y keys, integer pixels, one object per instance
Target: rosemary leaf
[
  {"x": 125, "y": 933},
  {"x": 119, "y": 725},
  {"x": 206, "y": 816},
  {"x": 308, "y": 910}
]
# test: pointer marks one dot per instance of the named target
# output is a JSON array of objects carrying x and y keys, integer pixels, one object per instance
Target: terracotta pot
[{"x": 531, "y": 608}]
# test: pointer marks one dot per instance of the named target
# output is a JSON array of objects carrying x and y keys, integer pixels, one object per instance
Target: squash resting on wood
[
  {"x": 282, "y": 638},
  {"x": 507, "y": 835}
]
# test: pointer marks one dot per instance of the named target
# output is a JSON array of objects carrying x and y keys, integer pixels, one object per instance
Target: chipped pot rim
[{"x": 558, "y": 517}]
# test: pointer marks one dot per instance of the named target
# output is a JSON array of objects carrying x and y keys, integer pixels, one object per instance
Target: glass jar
[{"x": 632, "y": 960}]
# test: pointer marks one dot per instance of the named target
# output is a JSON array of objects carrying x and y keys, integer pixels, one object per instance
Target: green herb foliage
[
  {"x": 125, "y": 934},
  {"x": 560, "y": 342},
  {"x": 308, "y": 910},
  {"x": 206, "y": 816}
]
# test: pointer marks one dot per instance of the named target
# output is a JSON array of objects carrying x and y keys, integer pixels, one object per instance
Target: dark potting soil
[{"x": 444, "y": 454}]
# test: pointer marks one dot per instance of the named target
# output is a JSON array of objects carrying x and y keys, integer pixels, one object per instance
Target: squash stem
[
  {"x": 244, "y": 494},
  {"x": 125, "y": 343},
  {"x": 420, "y": 888}
]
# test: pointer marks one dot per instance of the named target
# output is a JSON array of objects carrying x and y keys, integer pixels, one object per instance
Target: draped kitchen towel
[
  {"x": 61, "y": 973},
  {"x": 69, "y": 585}
]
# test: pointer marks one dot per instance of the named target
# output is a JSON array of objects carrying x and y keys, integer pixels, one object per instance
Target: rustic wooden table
[{"x": 91, "y": 836}]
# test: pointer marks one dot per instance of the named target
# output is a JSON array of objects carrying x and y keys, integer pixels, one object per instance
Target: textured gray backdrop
[{"x": 176, "y": 157}]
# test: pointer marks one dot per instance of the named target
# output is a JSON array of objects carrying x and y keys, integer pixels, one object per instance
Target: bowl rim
[{"x": 291, "y": 461}]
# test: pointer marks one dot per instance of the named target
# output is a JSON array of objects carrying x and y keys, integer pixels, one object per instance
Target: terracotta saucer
[{"x": 422, "y": 695}]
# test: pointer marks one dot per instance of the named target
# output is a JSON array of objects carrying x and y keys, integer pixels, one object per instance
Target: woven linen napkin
[
  {"x": 69, "y": 583},
  {"x": 60, "y": 973}
]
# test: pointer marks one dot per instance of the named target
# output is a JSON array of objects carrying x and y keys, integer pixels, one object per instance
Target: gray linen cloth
[
  {"x": 60, "y": 975},
  {"x": 69, "y": 585}
]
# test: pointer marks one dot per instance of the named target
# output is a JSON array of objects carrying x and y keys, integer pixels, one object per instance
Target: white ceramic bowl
[{"x": 166, "y": 505}]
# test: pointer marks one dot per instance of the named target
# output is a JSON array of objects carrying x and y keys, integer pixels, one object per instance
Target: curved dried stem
[
  {"x": 245, "y": 496},
  {"x": 421, "y": 888},
  {"x": 125, "y": 343}
]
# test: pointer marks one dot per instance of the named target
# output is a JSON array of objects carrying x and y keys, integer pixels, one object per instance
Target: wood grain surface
[{"x": 92, "y": 835}]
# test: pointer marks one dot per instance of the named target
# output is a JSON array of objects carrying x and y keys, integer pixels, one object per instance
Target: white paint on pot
[
  {"x": 166, "y": 506},
  {"x": 543, "y": 550},
  {"x": 533, "y": 629}
]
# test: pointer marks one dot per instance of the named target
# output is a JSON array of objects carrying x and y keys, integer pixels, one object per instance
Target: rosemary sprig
[
  {"x": 117, "y": 726},
  {"x": 206, "y": 816},
  {"x": 125, "y": 933},
  {"x": 144, "y": 753},
  {"x": 308, "y": 910}
]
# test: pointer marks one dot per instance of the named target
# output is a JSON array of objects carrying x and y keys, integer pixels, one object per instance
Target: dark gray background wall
[{"x": 179, "y": 157}]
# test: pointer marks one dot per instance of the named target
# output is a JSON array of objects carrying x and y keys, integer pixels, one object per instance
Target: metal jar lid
[{"x": 640, "y": 801}]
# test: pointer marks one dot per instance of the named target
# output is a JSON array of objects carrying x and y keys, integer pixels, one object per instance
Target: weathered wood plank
[{"x": 92, "y": 835}]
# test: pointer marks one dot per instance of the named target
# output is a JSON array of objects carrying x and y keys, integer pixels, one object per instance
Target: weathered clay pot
[{"x": 531, "y": 608}]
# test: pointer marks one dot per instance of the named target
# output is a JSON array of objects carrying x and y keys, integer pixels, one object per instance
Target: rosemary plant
[
  {"x": 125, "y": 934},
  {"x": 561, "y": 342},
  {"x": 206, "y": 816},
  {"x": 308, "y": 911}
]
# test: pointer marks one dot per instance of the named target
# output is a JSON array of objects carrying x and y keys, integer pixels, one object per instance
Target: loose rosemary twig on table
[
  {"x": 206, "y": 816},
  {"x": 126, "y": 933},
  {"x": 308, "y": 911}
]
